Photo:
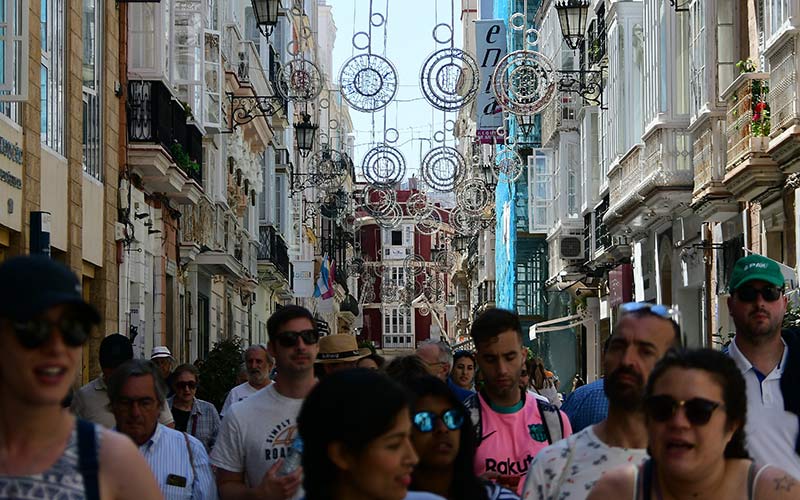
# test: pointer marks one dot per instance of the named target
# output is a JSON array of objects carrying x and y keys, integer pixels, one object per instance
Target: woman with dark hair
[
  {"x": 444, "y": 439},
  {"x": 356, "y": 428},
  {"x": 463, "y": 372},
  {"x": 695, "y": 408},
  {"x": 371, "y": 361}
]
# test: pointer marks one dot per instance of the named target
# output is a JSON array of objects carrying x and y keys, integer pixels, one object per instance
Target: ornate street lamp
[
  {"x": 526, "y": 124},
  {"x": 304, "y": 131},
  {"x": 266, "y": 12},
  {"x": 572, "y": 16}
]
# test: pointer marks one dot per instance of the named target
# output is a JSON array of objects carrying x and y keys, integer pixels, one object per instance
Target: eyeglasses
[
  {"x": 146, "y": 403},
  {"x": 698, "y": 410},
  {"x": 425, "y": 421},
  {"x": 659, "y": 310},
  {"x": 186, "y": 385},
  {"x": 750, "y": 294},
  {"x": 289, "y": 338},
  {"x": 34, "y": 333}
]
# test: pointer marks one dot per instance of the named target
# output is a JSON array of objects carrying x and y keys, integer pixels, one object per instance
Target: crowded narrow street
[{"x": 399, "y": 249}]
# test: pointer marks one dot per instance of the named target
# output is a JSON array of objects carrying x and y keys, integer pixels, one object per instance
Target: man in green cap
[{"x": 768, "y": 360}]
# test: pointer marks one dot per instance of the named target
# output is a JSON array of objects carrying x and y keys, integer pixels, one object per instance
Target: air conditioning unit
[
  {"x": 570, "y": 247},
  {"x": 620, "y": 240}
]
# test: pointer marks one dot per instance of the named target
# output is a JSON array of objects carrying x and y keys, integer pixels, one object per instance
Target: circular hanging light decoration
[
  {"x": 299, "y": 80},
  {"x": 473, "y": 196},
  {"x": 328, "y": 169},
  {"x": 384, "y": 166},
  {"x": 524, "y": 82},
  {"x": 507, "y": 165},
  {"x": 368, "y": 82},
  {"x": 442, "y": 168},
  {"x": 449, "y": 79}
]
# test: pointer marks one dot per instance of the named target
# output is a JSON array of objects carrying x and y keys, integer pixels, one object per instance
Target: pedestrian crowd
[{"x": 318, "y": 418}]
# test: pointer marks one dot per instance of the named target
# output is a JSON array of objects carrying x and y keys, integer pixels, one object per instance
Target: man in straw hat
[{"x": 339, "y": 352}]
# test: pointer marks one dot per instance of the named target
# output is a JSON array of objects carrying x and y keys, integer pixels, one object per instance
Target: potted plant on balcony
[{"x": 182, "y": 159}]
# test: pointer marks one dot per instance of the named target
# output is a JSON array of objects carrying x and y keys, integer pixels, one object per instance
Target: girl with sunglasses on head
[
  {"x": 695, "y": 408},
  {"x": 356, "y": 428},
  {"x": 443, "y": 438}
]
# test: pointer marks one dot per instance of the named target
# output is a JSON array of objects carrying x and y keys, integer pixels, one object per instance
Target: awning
[{"x": 554, "y": 325}]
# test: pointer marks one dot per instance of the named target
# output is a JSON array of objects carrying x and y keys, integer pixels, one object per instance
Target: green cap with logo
[{"x": 756, "y": 267}]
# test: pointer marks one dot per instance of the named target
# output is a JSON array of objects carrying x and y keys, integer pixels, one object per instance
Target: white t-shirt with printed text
[
  {"x": 591, "y": 458},
  {"x": 255, "y": 433}
]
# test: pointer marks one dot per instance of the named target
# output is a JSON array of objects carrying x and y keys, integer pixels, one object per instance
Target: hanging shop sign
[
  {"x": 491, "y": 49},
  {"x": 303, "y": 278}
]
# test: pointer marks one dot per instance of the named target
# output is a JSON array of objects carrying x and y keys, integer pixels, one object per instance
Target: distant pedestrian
[
  {"x": 439, "y": 359},
  {"x": 91, "y": 402},
  {"x": 586, "y": 406},
  {"x": 197, "y": 417},
  {"x": 178, "y": 461},
  {"x": 463, "y": 373},
  {"x": 45, "y": 452},
  {"x": 371, "y": 361},
  {"x": 338, "y": 352},
  {"x": 259, "y": 364}
]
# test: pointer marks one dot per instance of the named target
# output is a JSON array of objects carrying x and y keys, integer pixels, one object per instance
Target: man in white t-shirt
[
  {"x": 256, "y": 433},
  {"x": 259, "y": 363},
  {"x": 569, "y": 468}
]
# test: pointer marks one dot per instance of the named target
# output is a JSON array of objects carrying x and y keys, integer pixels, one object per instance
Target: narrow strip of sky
[{"x": 407, "y": 44}]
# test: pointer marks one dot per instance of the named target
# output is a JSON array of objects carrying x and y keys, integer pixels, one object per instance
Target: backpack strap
[
  {"x": 473, "y": 406},
  {"x": 551, "y": 418},
  {"x": 87, "y": 459}
]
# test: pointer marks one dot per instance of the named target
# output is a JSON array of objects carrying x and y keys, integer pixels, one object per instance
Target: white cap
[{"x": 161, "y": 351}]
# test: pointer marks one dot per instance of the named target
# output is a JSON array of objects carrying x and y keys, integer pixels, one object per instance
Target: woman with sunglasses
[
  {"x": 45, "y": 451},
  {"x": 444, "y": 440},
  {"x": 356, "y": 430},
  {"x": 194, "y": 416},
  {"x": 695, "y": 407}
]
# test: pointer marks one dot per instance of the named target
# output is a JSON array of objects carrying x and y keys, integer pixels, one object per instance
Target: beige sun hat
[{"x": 338, "y": 348}]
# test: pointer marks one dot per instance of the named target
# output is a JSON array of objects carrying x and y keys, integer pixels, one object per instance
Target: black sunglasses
[
  {"x": 698, "y": 410},
  {"x": 289, "y": 338},
  {"x": 425, "y": 421},
  {"x": 34, "y": 333},
  {"x": 750, "y": 294},
  {"x": 186, "y": 385}
]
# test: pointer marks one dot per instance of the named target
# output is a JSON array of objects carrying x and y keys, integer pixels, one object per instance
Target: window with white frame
[
  {"x": 213, "y": 67},
  {"x": 280, "y": 187},
  {"x": 14, "y": 46},
  {"x": 540, "y": 190},
  {"x": 92, "y": 88},
  {"x": 775, "y": 15},
  {"x": 727, "y": 42},
  {"x": 188, "y": 44},
  {"x": 573, "y": 175},
  {"x": 52, "y": 75},
  {"x": 398, "y": 328},
  {"x": 697, "y": 54}
]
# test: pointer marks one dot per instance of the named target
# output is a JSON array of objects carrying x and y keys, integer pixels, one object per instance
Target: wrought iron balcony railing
[
  {"x": 155, "y": 117},
  {"x": 273, "y": 249}
]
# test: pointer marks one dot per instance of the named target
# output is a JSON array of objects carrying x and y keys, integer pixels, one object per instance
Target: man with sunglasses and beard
[
  {"x": 258, "y": 432},
  {"x": 569, "y": 468},
  {"x": 769, "y": 359}
]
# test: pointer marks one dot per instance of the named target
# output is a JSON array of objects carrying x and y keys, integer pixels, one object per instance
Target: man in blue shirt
[
  {"x": 178, "y": 461},
  {"x": 587, "y": 405}
]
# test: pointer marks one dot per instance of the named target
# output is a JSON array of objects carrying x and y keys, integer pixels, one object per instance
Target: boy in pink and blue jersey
[{"x": 511, "y": 426}]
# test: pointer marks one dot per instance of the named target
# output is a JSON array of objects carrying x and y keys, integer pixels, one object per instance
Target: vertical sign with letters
[{"x": 491, "y": 48}]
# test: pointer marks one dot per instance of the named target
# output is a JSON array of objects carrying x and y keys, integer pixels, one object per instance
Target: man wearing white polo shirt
[{"x": 769, "y": 362}]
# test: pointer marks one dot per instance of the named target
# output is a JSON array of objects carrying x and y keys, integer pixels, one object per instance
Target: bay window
[{"x": 14, "y": 46}]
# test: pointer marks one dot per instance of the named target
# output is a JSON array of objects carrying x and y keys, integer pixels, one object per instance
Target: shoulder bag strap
[
  {"x": 191, "y": 455},
  {"x": 551, "y": 418},
  {"x": 87, "y": 459}
]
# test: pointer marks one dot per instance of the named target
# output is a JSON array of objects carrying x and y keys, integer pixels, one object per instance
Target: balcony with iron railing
[
  {"x": 165, "y": 150},
  {"x": 749, "y": 170},
  {"x": 596, "y": 40},
  {"x": 273, "y": 255}
]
